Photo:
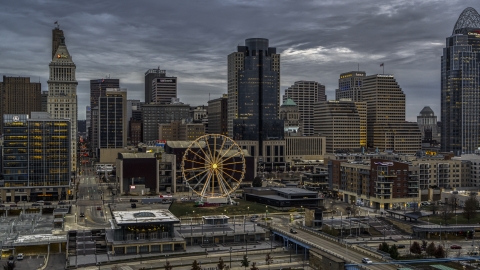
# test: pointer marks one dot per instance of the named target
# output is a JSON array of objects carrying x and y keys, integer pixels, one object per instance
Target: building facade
[
  {"x": 20, "y": 96},
  {"x": 112, "y": 119},
  {"x": 306, "y": 94},
  {"x": 254, "y": 92},
  {"x": 339, "y": 122},
  {"x": 37, "y": 158},
  {"x": 350, "y": 86},
  {"x": 218, "y": 115},
  {"x": 460, "y": 86},
  {"x": 427, "y": 122},
  {"x": 180, "y": 131},
  {"x": 155, "y": 114},
  {"x": 292, "y": 121},
  {"x": 62, "y": 94},
  {"x": 164, "y": 89},
  {"x": 149, "y": 76}
]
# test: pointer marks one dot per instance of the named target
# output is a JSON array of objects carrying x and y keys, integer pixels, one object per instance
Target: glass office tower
[
  {"x": 258, "y": 93},
  {"x": 460, "y": 86}
]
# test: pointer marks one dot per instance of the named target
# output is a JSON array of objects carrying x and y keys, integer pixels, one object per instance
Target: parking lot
[{"x": 29, "y": 262}]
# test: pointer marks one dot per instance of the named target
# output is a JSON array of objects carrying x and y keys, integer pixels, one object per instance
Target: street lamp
[
  {"x": 456, "y": 222},
  {"x": 290, "y": 248},
  {"x": 266, "y": 212},
  {"x": 248, "y": 211},
  {"x": 271, "y": 241}
]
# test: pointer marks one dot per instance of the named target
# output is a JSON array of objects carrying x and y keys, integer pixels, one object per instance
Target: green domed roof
[{"x": 289, "y": 102}]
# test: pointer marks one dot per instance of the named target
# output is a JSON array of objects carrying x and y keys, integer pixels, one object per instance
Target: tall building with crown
[
  {"x": 62, "y": 92},
  {"x": 460, "y": 86}
]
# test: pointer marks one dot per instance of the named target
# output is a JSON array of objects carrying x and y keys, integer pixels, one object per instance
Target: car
[
  {"x": 35, "y": 204},
  {"x": 40, "y": 201},
  {"x": 298, "y": 217},
  {"x": 455, "y": 247},
  {"x": 254, "y": 216},
  {"x": 82, "y": 214},
  {"x": 61, "y": 203},
  {"x": 293, "y": 231},
  {"x": 47, "y": 203},
  {"x": 134, "y": 205},
  {"x": 99, "y": 208},
  {"x": 367, "y": 261},
  {"x": 401, "y": 246},
  {"x": 20, "y": 256},
  {"x": 253, "y": 219},
  {"x": 2, "y": 205},
  {"x": 133, "y": 200},
  {"x": 13, "y": 205},
  {"x": 11, "y": 260}
]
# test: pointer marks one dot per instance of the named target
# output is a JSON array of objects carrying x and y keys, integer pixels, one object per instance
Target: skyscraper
[
  {"x": 427, "y": 122},
  {"x": 98, "y": 88},
  {"x": 57, "y": 36},
  {"x": 149, "y": 76},
  {"x": 218, "y": 115},
  {"x": 254, "y": 92},
  {"x": 164, "y": 89},
  {"x": 20, "y": 96},
  {"x": 350, "y": 85},
  {"x": 306, "y": 94},
  {"x": 460, "y": 86},
  {"x": 112, "y": 120},
  {"x": 62, "y": 93}
]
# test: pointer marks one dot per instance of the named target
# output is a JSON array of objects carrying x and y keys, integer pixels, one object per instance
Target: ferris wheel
[{"x": 213, "y": 166}]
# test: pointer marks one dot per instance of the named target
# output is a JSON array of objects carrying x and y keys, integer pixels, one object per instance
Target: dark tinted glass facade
[
  {"x": 257, "y": 94},
  {"x": 460, "y": 97},
  {"x": 111, "y": 121}
]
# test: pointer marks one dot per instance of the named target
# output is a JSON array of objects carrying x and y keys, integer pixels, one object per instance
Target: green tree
[
  {"x": 254, "y": 266},
  {"x": 470, "y": 209},
  {"x": 195, "y": 265},
  {"x": 257, "y": 182},
  {"x": 439, "y": 252},
  {"x": 384, "y": 247},
  {"x": 394, "y": 252},
  {"x": 424, "y": 244},
  {"x": 221, "y": 264},
  {"x": 168, "y": 266},
  {"x": 245, "y": 262},
  {"x": 415, "y": 248},
  {"x": 430, "y": 249}
]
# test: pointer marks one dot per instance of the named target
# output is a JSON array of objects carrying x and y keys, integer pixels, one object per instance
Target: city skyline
[{"x": 316, "y": 40}]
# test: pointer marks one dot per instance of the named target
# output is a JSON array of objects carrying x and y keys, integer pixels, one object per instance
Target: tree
[
  {"x": 424, "y": 244},
  {"x": 394, "y": 252},
  {"x": 245, "y": 262},
  {"x": 257, "y": 182},
  {"x": 221, "y": 264},
  {"x": 470, "y": 209},
  {"x": 168, "y": 266},
  {"x": 439, "y": 252},
  {"x": 445, "y": 213},
  {"x": 268, "y": 260},
  {"x": 384, "y": 247},
  {"x": 195, "y": 265},
  {"x": 415, "y": 248},
  {"x": 254, "y": 266},
  {"x": 430, "y": 249}
]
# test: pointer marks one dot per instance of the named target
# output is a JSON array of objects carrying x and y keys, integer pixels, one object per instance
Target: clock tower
[{"x": 62, "y": 93}]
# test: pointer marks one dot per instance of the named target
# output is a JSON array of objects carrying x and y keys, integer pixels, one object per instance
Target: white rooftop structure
[{"x": 144, "y": 216}]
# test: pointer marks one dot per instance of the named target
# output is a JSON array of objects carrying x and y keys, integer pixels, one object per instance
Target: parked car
[
  {"x": 35, "y": 204},
  {"x": 133, "y": 200},
  {"x": 2, "y": 205},
  {"x": 82, "y": 214},
  {"x": 62, "y": 203},
  {"x": 11, "y": 260},
  {"x": 293, "y": 231},
  {"x": 47, "y": 203},
  {"x": 455, "y": 247},
  {"x": 366, "y": 261},
  {"x": 13, "y": 205},
  {"x": 40, "y": 201},
  {"x": 99, "y": 208},
  {"x": 134, "y": 205},
  {"x": 401, "y": 246},
  {"x": 298, "y": 217},
  {"x": 20, "y": 256}
]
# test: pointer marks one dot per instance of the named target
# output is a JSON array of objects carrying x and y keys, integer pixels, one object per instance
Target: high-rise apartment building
[
  {"x": 88, "y": 118},
  {"x": 36, "y": 162},
  {"x": 339, "y": 122},
  {"x": 62, "y": 93},
  {"x": 112, "y": 118},
  {"x": 306, "y": 94},
  {"x": 98, "y": 88},
  {"x": 164, "y": 89},
  {"x": 218, "y": 115},
  {"x": 20, "y": 96},
  {"x": 254, "y": 92},
  {"x": 350, "y": 85},
  {"x": 155, "y": 114},
  {"x": 460, "y": 86}
]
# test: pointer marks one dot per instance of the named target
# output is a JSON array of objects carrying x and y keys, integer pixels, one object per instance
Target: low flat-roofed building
[
  {"x": 283, "y": 197},
  {"x": 144, "y": 231}
]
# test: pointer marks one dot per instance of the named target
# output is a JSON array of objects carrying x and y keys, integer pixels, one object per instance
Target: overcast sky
[{"x": 317, "y": 41}]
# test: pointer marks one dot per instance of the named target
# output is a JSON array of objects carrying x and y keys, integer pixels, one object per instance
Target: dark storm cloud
[{"x": 317, "y": 40}]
